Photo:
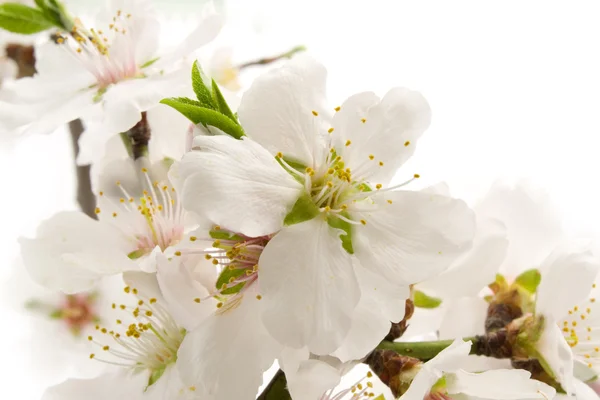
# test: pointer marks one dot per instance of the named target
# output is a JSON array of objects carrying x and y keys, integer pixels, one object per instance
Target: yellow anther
[
  {"x": 197, "y": 300},
  {"x": 114, "y": 214},
  {"x": 381, "y": 163},
  {"x": 144, "y": 170},
  {"x": 330, "y": 130},
  {"x": 329, "y": 184},
  {"x": 149, "y": 313},
  {"x": 327, "y": 209},
  {"x": 363, "y": 120},
  {"x": 193, "y": 238},
  {"x": 127, "y": 289},
  {"x": 97, "y": 210},
  {"x": 389, "y": 201},
  {"x": 371, "y": 157},
  {"x": 90, "y": 338},
  {"x": 348, "y": 142},
  {"x": 217, "y": 227},
  {"x": 216, "y": 243},
  {"x": 279, "y": 155},
  {"x": 92, "y": 355},
  {"x": 369, "y": 374},
  {"x": 178, "y": 253},
  {"x": 315, "y": 113},
  {"x": 337, "y": 109},
  {"x": 416, "y": 176},
  {"x": 79, "y": 50},
  {"x": 135, "y": 291},
  {"x": 219, "y": 304},
  {"x": 258, "y": 297},
  {"x": 378, "y": 186},
  {"x": 215, "y": 262},
  {"x": 208, "y": 256},
  {"x": 407, "y": 143},
  {"x": 106, "y": 348},
  {"x": 362, "y": 221},
  {"x": 344, "y": 207}
]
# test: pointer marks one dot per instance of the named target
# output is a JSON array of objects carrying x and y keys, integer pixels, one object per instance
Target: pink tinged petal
[
  {"x": 470, "y": 311},
  {"x": 480, "y": 264},
  {"x": 557, "y": 355},
  {"x": 170, "y": 386},
  {"x": 187, "y": 298},
  {"x": 238, "y": 185},
  {"x": 585, "y": 392},
  {"x": 415, "y": 237},
  {"x": 388, "y": 129},
  {"x": 278, "y": 111},
  {"x": 380, "y": 304},
  {"x": 116, "y": 385},
  {"x": 510, "y": 384},
  {"x": 232, "y": 344},
  {"x": 533, "y": 224},
  {"x": 567, "y": 277},
  {"x": 309, "y": 287},
  {"x": 312, "y": 380},
  {"x": 72, "y": 252}
]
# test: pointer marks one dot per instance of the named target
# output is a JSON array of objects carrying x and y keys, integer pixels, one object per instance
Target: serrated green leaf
[
  {"x": 346, "y": 227},
  {"x": 423, "y": 300},
  {"x": 225, "y": 277},
  {"x": 304, "y": 210},
  {"x": 22, "y": 19},
  {"x": 221, "y": 102},
  {"x": 205, "y": 116},
  {"x": 202, "y": 92},
  {"x": 529, "y": 280}
]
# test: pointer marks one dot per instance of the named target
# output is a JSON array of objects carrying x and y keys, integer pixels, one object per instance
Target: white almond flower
[
  {"x": 138, "y": 218},
  {"x": 143, "y": 351},
  {"x": 442, "y": 378},
  {"x": 563, "y": 305},
  {"x": 112, "y": 71},
  {"x": 322, "y": 194}
]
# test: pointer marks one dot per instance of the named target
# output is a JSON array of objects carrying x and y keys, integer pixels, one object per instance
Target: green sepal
[
  {"x": 155, "y": 376},
  {"x": 440, "y": 385},
  {"x": 345, "y": 226},
  {"x": 203, "y": 94},
  {"x": 22, "y": 19},
  {"x": 56, "y": 13},
  {"x": 198, "y": 114},
  {"x": 134, "y": 255},
  {"x": 529, "y": 280},
  {"x": 221, "y": 103},
  {"x": 149, "y": 63},
  {"x": 225, "y": 235},
  {"x": 224, "y": 278},
  {"x": 56, "y": 314},
  {"x": 304, "y": 210},
  {"x": 423, "y": 300}
]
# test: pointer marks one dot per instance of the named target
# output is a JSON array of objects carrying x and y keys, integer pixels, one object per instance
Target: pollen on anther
[
  {"x": 92, "y": 355},
  {"x": 177, "y": 253},
  {"x": 219, "y": 304},
  {"x": 348, "y": 142},
  {"x": 197, "y": 300},
  {"x": 389, "y": 201},
  {"x": 114, "y": 214},
  {"x": 371, "y": 157},
  {"x": 106, "y": 348},
  {"x": 337, "y": 109},
  {"x": 90, "y": 338},
  {"x": 381, "y": 163},
  {"x": 279, "y": 155},
  {"x": 315, "y": 113},
  {"x": 330, "y": 130},
  {"x": 407, "y": 143},
  {"x": 378, "y": 186},
  {"x": 363, "y": 120},
  {"x": 416, "y": 176},
  {"x": 362, "y": 221},
  {"x": 258, "y": 297},
  {"x": 97, "y": 210}
]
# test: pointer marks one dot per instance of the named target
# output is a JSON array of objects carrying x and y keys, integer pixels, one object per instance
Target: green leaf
[
  {"x": 55, "y": 11},
  {"x": 422, "y": 300},
  {"x": 202, "y": 92},
  {"x": 18, "y": 18},
  {"x": 202, "y": 115},
  {"x": 529, "y": 280},
  {"x": 221, "y": 102},
  {"x": 225, "y": 277},
  {"x": 346, "y": 227},
  {"x": 304, "y": 209}
]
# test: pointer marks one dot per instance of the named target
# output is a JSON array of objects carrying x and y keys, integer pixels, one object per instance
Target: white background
[{"x": 514, "y": 87}]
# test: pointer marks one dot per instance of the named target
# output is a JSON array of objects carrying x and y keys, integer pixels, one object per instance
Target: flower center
[
  {"x": 76, "y": 311},
  {"x": 149, "y": 340},
  {"x": 581, "y": 330},
  {"x": 154, "y": 219},
  {"x": 92, "y": 48},
  {"x": 359, "y": 390}
]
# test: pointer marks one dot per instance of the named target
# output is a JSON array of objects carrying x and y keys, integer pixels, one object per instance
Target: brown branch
[
  {"x": 85, "y": 196},
  {"x": 276, "y": 389}
]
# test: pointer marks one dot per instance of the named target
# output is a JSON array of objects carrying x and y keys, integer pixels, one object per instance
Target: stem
[
  {"x": 276, "y": 389},
  {"x": 85, "y": 196},
  {"x": 269, "y": 60},
  {"x": 421, "y": 350}
]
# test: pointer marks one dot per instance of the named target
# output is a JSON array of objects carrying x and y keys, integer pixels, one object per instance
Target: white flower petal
[
  {"x": 116, "y": 385},
  {"x": 414, "y": 238},
  {"x": 72, "y": 252},
  {"x": 533, "y": 225},
  {"x": 309, "y": 287},
  {"x": 508, "y": 384},
  {"x": 557, "y": 354},
  {"x": 180, "y": 288},
  {"x": 567, "y": 277},
  {"x": 470, "y": 311},
  {"x": 480, "y": 264},
  {"x": 388, "y": 129},
  {"x": 380, "y": 303},
  {"x": 232, "y": 344},
  {"x": 238, "y": 185},
  {"x": 277, "y": 110},
  {"x": 312, "y": 379},
  {"x": 584, "y": 392}
]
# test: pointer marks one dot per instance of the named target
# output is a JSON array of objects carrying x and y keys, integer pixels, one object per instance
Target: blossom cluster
[{"x": 276, "y": 233}]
